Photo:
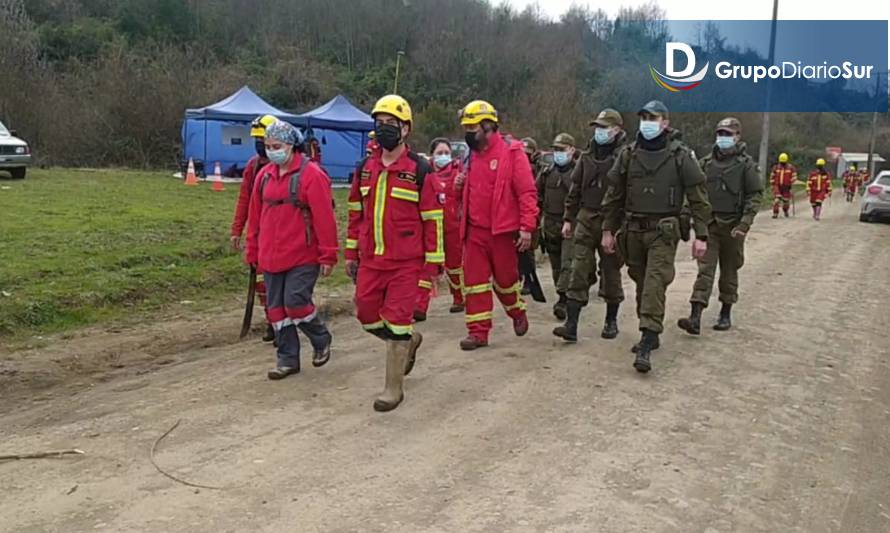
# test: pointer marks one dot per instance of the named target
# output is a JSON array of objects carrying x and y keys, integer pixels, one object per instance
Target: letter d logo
[{"x": 676, "y": 81}]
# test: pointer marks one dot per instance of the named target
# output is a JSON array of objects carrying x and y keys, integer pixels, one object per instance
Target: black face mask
[
  {"x": 261, "y": 149},
  {"x": 388, "y": 136},
  {"x": 473, "y": 141}
]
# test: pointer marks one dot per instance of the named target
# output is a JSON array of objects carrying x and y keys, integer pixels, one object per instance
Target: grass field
[{"x": 79, "y": 247}]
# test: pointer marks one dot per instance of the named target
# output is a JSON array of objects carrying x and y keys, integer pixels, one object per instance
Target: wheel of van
[
  {"x": 18, "y": 173},
  {"x": 864, "y": 218}
]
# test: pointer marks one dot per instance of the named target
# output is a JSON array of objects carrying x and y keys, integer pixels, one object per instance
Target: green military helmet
[
  {"x": 531, "y": 145},
  {"x": 564, "y": 139}
]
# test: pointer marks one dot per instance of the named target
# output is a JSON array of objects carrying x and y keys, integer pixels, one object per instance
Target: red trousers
[
  {"x": 384, "y": 299},
  {"x": 453, "y": 268},
  {"x": 490, "y": 263}
]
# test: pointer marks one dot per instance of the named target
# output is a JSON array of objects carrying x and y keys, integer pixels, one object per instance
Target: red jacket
[
  {"x": 281, "y": 236},
  {"x": 391, "y": 220},
  {"x": 514, "y": 202},
  {"x": 783, "y": 177},
  {"x": 852, "y": 180},
  {"x": 241, "y": 208},
  {"x": 819, "y": 185},
  {"x": 443, "y": 180}
]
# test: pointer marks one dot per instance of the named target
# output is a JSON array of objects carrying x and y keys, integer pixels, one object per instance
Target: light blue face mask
[
  {"x": 724, "y": 142},
  {"x": 561, "y": 158},
  {"x": 277, "y": 156},
  {"x": 442, "y": 160},
  {"x": 650, "y": 129},
  {"x": 602, "y": 135}
]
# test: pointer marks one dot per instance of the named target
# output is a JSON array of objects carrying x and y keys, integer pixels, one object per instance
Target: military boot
[
  {"x": 692, "y": 325},
  {"x": 559, "y": 308},
  {"x": 647, "y": 342},
  {"x": 636, "y": 347},
  {"x": 569, "y": 331},
  {"x": 724, "y": 323},
  {"x": 610, "y": 328},
  {"x": 393, "y": 394}
]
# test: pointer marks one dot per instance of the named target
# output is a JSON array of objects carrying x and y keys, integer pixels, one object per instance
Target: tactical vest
[
  {"x": 593, "y": 182},
  {"x": 556, "y": 188},
  {"x": 654, "y": 180},
  {"x": 726, "y": 183}
]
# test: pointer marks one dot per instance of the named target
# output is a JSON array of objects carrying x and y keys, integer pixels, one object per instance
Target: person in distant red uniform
[
  {"x": 292, "y": 239},
  {"x": 254, "y": 164},
  {"x": 818, "y": 187},
  {"x": 782, "y": 178},
  {"x": 445, "y": 170},
  {"x": 852, "y": 182}
]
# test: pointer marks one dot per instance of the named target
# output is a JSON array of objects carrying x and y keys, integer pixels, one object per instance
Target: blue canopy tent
[
  {"x": 221, "y": 132},
  {"x": 342, "y": 129}
]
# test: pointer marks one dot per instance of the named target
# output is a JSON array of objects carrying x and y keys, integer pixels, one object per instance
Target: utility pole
[
  {"x": 874, "y": 131},
  {"x": 399, "y": 55},
  {"x": 764, "y": 134}
]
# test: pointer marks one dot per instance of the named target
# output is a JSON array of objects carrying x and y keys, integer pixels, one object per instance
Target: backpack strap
[
  {"x": 423, "y": 168},
  {"x": 294, "y": 188}
]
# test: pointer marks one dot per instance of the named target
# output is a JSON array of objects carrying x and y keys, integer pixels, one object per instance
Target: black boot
[
  {"x": 610, "y": 328},
  {"x": 269, "y": 336},
  {"x": 559, "y": 308},
  {"x": 724, "y": 323},
  {"x": 647, "y": 341},
  {"x": 569, "y": 331},
  {"x": 692, "y": 325}
]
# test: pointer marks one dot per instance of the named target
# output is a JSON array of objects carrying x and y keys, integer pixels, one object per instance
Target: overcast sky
[{"x": 732, "y": 9}]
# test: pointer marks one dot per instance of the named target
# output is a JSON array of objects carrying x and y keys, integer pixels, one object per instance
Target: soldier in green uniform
[
  {"x": 583, "y": 220},
  {"x": 553, "y": 187},
  {"x": 647, "y": 186},
  {"x": 735, "y": 191}
]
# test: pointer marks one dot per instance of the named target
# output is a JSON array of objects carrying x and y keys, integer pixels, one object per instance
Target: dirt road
[{"x": 782, "y": 424}]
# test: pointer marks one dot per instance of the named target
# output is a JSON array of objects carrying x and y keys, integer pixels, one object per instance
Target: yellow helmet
[
  {"x": 477, "y": 111},
  {"x": 259, "y": 125},
  {"x": 783, "y": 157},
  {"x": 820, "y": 162},
  {"x": 395, "y": 105}
]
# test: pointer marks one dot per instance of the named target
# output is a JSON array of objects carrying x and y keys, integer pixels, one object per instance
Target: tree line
[{"x": 106, "y": 82}]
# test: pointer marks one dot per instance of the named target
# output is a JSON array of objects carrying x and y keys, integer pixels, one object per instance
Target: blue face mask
[
  {"x": 442, "y": 160},
  {"x": 602, "y": 135},
  {"x": 561, "y": 158},
  {"x": 278, "y": 156},
  {"x": 650, "y": 129},
  {"x": 724, "y": 142}
]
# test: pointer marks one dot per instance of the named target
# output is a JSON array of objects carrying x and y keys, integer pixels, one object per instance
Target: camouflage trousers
[
  {"x": 726, "y": 251},
  {"x": 649, "y": 251},
  {"x": 560, "y": 252},
  {"x": 587, "y": 238}
]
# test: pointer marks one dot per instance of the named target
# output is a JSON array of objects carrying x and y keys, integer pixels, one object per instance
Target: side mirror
[{"x": 14, "y": 133}]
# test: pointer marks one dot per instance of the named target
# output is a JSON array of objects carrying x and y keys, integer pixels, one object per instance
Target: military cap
[
  {"x": 607, "y": 118},
  {"x": 655, "y": 107}
]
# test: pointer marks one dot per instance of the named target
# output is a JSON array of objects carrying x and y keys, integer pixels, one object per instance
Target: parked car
[
  {"x": 876, "y": 200},
  {"x": 15, "y": 156}
]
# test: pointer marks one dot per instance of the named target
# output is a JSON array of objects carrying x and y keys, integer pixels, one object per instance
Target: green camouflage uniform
[
  {"x": 553, "y": 187},
  {"x": 583, "y": 208},
  {"x": 735, "y": 192},
  {"x": 643, "y": 205}
]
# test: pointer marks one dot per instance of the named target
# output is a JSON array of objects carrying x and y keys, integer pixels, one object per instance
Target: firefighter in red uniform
[
  {"x": 395, "y": 230},
  {"x": 818, "y": 187},
  {"x": 852, "y": 182},
  {"x": 258, "y": 161},
  {"x": 782, "y": 179},
  {"x": 292, "y": 238},
  {"x": 445, "y": 170},
  {"x": 498, "y": 217}
]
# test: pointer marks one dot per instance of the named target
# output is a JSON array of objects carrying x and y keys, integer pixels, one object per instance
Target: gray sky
[{"x": 732, "y": 10}]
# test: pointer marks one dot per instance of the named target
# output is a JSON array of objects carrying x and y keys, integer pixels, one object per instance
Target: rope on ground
[
  {"x": 40, "y": 455},
  {"x": 151, "y": 456}
]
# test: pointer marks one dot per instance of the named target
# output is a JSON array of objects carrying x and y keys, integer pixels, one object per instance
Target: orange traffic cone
[
  {"x": 191, "y": 178},
  {"x": 217, "y": 178}
]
